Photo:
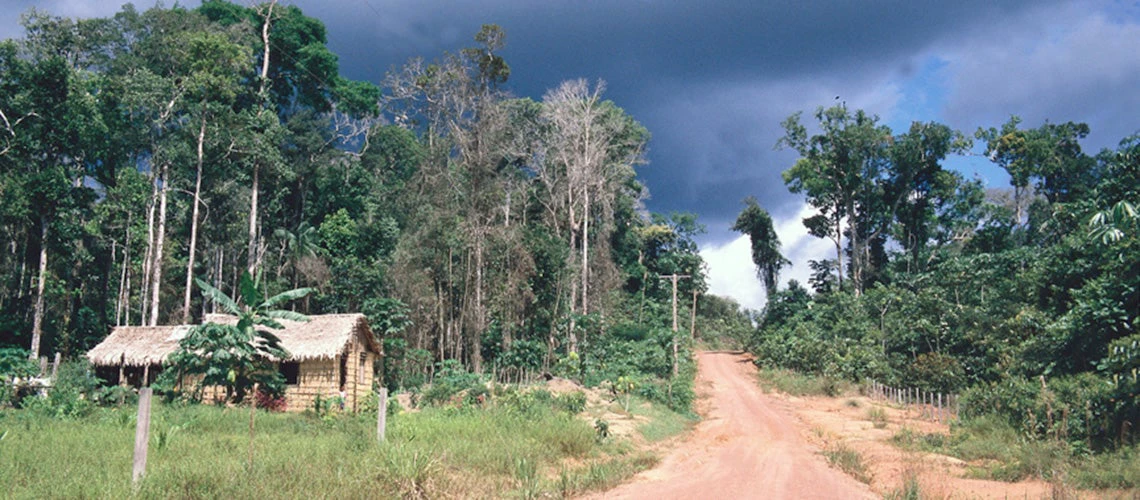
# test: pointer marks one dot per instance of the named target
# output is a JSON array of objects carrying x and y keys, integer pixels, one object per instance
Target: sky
[{"x": 713, "y": 79}]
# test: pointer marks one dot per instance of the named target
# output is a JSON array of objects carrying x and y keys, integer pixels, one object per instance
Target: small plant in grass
[
  {"x": 625, "y": 387},
  {"x": 412, "y": 472},
  {"x": 877, "y": 417},
  {"x": 526, "y": 472},
  {"x": 164, "y": 434},
  {"x": 601, "y": 429},
  {"x": 848, "y": 461},
  {"x": 911, "y": 489}
]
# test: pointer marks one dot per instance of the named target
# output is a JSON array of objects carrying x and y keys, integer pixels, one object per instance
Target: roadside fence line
[{"x": 934, "y": 406}]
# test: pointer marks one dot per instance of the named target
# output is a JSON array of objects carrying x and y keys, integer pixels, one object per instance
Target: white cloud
[{"x": 732, "y": 274}]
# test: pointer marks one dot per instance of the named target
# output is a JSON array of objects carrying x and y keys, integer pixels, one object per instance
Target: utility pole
[
  {"x": 693, "y": 317},
  {"x": 675, "y": 277}
]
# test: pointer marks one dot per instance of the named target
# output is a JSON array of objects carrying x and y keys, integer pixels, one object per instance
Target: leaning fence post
[
  {"x": 382, "y": 414},
  {"x": 142, "y": 435}
]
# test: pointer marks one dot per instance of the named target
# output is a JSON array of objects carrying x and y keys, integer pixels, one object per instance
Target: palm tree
[
  {"x": 296, "y": 246},
  {"x": 236, "y": 356},
  {"x": 757, "y": 224}
]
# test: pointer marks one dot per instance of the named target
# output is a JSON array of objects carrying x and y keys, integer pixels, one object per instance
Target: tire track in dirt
[{"x": 745, "y": 447}]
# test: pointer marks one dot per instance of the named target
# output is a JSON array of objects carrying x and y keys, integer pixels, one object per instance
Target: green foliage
[
  {"x": 14, "y": 364},
  {"x": 237, "y": 356},
  {"x": 72, "y": 395},
  {"x": 757, "y": 224},
  {"x": 1080, "y": 410},
  {"x": 401, "y": 367},
  {"x": 451, "y": 379}
]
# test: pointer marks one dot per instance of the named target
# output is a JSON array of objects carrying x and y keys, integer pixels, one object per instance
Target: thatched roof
[
  {"x": 137, "y": 345},
  {"x": 322, "y": 337}
]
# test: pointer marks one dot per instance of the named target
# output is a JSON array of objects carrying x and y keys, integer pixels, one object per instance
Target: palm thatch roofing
[{"x": 322, "y": 337}]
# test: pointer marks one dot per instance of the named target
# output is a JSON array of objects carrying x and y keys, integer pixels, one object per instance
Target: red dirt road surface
[{"x": 745, "y": 447}]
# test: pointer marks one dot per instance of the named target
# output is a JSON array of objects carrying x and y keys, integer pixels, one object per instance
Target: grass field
[{"x": 203, "y": 451}]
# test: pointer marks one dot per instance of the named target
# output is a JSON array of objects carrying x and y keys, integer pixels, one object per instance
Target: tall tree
[
  {"x": 841, "y": 170},
  {"x": 755, "y": 222},
  {"x": 919, "y": 183}
]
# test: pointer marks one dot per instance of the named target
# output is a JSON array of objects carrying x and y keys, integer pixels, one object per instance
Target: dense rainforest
[
  {"x": 1022, "y": 300},
  {"x": 145, "y": 151},
  {"x": 485, "y": 232}
]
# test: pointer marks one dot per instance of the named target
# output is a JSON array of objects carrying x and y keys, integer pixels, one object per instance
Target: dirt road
[{"x": 743, "y": 448}]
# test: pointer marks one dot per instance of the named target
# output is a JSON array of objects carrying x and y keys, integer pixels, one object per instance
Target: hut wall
[
  {"x": 316, "y": 377},
  {"x": 358, "y": 380}
]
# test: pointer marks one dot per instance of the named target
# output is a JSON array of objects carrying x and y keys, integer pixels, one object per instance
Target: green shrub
[
  {"x": 72, "y": 394},
  {"x": 372, "y": 402},
  {"x": 877, "y": 417},
  {"x": 1080, "y": 408},
  {"x": 451, "y": 378},
  {"x": 571, "y": 402},
  {"x": 14, "y": 363},
  {"x": 937, "y": 372}
]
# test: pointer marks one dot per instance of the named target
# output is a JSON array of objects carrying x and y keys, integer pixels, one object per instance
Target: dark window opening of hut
[
  {"x": 360, "y": 366},
  {"x": 343, "y": 370},
  {"x": 108, "y": 373},
  {"x": 291, "y": 371}
]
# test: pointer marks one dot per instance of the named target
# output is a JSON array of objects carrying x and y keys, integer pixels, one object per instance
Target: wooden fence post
[
  {"x": 382, "y": 415},
  {"x": 252, "y": 414},
  {"x": 142, "y": 435}
]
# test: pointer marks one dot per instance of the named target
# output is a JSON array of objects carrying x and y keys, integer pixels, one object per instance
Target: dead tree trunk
[
  {"x": 160, "y": 242},
  {"x": 144, "y": 292},
  {"x": 38, "y": 315},
  {"x": 263, "y": 94},
  {"x": 194, "y": 227}
]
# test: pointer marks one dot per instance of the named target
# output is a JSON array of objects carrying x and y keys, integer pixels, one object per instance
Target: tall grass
[
  {"x": 436, "y": 452},
  {"x": 998, "y": 451},
  {"x": 662, "y": 423},
  {"x": 848, "y": 461},
  {"x": 798, "y": 384}
]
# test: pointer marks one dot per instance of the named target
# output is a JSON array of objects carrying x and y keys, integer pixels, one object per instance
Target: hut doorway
[{"x": 343, "y": 382}]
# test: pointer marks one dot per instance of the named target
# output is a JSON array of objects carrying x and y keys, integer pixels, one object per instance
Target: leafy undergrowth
[
  {"x": 202, "y": 451},
  {"x": 997, "y": 451}
]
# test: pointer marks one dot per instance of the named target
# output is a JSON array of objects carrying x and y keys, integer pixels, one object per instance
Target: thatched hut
[{"x": 328, "y": 355}]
